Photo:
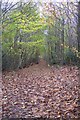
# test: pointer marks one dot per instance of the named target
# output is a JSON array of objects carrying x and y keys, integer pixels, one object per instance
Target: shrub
[
  {"x": 21, "y": 56},
  {"x": 70, "y": 57}
]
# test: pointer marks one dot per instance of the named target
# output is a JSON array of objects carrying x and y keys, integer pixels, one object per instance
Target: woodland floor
[{"x": 41, "y": 90}]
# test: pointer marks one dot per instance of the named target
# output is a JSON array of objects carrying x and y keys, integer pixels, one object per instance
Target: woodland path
[{"x": 40, "y": 90}]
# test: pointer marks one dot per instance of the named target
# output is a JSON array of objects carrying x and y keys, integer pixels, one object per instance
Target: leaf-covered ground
[{"x": 40, "y": 90}]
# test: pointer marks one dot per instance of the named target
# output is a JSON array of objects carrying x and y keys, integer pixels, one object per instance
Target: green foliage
[
  {"x": 18, "y": 57},
  {"x": 24, "y": 39},
  {"x": 70, "y": 57},
  {"x": 10, "y": 57}
]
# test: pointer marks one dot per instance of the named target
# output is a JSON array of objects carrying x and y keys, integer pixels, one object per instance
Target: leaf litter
[{"x": 41, "y": 91}]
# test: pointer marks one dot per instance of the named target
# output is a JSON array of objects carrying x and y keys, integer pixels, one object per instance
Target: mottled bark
[{"x": 78, "y": 27}]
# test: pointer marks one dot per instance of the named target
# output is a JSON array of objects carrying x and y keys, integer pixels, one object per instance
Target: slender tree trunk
[
  {"x": 0, "y": 37},
  {"x": 78, "y": 27},
  {"x": 62, "y": 41},
  {"x": 78, "y": 34},
  {"x": 78, "y": 39},
  {"x": 69, "y": 37}
]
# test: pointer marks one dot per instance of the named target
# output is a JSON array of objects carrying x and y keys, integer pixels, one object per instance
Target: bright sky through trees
[{"x": 43, "y": 0}]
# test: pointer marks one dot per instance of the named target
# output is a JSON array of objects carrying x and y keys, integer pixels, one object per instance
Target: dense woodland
[
  {"x": 40, "y": 59},
  {"x": 31, "y": 31}
]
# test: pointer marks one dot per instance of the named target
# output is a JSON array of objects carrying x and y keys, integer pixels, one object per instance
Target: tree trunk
[
  {"x": 78, "y": 27},
  {"x": 0, "y": 37},
  {"x": 62, "y": 46},
  {"x": 78, "y": 33}
]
